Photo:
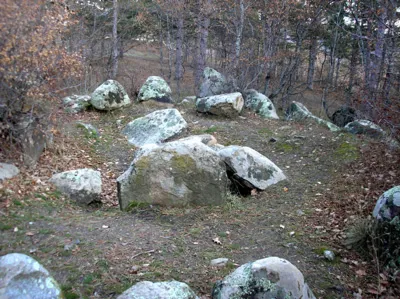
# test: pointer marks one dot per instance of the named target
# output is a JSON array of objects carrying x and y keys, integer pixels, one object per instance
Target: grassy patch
[
  {"x": 265, "y": 131},
  {"x": 347, "y": 152},
  {"x": 4, "y": 226},
  {"x": 286, "y": 147}
]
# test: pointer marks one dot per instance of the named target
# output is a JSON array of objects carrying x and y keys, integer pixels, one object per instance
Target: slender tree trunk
[
  {"x": 352, "y": 72},
  {"x": 179, "y": 54},
  {"x": 115, "y": 52},
  {"x": 203, "y": 25},
  {"x": 239, "y": 32},
  {"x": 169, "y": 49},
  {"x": 311, "y": 63},
  {"x": 337, "y": 72}
]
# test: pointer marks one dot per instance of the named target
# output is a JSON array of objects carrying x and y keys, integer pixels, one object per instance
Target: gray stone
[
  {"x": 76, "y": 103},
  {"x": 23, "y": 277},
  {"x": 178, "y": 173},
  {"x": 159, "y": 290},
  {"x": 254, "y": 169},
  {"x": 297, "y": 111},
  {"x": 8, "y": 171},
  {"x": 329, "y": 255},
  {"x": 268, "y": 278},
  {"x": 206, "y": 139},
  {"x": 365, "y": 127},
  {"x": 220, "y": 262},
  {"x": 157, "y": 89},
  {"x": 155, "y": 127},
  {"x": 90, "y": 129},
  {"x": 82, "y": 185},
  {"x": 388, "y": 205},
  {"x": 260, "y": 104},
  {"x": 343, "y": 116},
  {"x": 214, "y": 83},
  {"x": 109, "y": 96},
  {"x": 228, "y": 105}
]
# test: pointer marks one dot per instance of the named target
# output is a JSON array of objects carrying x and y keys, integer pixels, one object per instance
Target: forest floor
[{"x": 99, "y": 251}]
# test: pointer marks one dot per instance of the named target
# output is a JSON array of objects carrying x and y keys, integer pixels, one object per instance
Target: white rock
[{"x": 8, "y": 171}]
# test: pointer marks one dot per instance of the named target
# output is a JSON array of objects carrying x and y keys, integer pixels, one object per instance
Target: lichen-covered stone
[
  {"x": 260, "y": 104},
  {"x": 207, "y": 139},
  {"x": 157, "y": 89},
  {"x": 155, "y": 127},
  {"x": 109, "y": 96},
  {"x": 253, "y": 169},
  {"x": 23, "y": 277},
  {"x": 365, "y": 127},
  {"x": 159, "y": 290},
  {"x": 82, "y": 185},
  {"x": 297, "y": 111},
  {"x": 8, "y": 171},
  {"x": 178, "y": 173},
  {"x": 76, "y": 103},
  {"x": 388, "y": 205},
  {"x": 267, "y": 278},
  {"x": 228, "y": 105},
  {"x": 214, "y": 83}
]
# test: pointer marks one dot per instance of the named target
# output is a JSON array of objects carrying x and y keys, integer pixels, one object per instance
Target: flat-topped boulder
[
  {"x": 249, "y": 167},
  {"x": 81, "y": 185},
  {"x": 23, "y": 277},
  {"x": 109, "y": 96},
  {"x": 157, "y": 89},
  {"x": 160, "y": 290},
  {"x": 268, "y": 278},
  {"x": 297, "y": 111},
  {"x": 365, "y": 127},
  {"x": 178, "y": 174},
  {"x": 155, "y": 127},
  {"x": 227, "y": 105},
  {"x": 260, "y": 104}
]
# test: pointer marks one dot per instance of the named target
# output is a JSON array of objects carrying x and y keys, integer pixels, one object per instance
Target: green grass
[{"x": 347, "y": 152}]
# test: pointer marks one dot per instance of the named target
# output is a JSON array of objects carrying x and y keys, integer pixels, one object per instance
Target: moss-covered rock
[
  {"x": 260, "y": 104},
  {"x": 155, "y": 88},
  {"x": 76, "y": 103},
  {"x": 155, "y": 127},
  {"x": 179, "y": 173},
  {"x": 297, "y": 111},
  {"x": 269, "y": 278},
  {"x": 109, "y": 96}
]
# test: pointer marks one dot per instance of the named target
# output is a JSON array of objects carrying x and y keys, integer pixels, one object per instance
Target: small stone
[
  {"x": 329, "y": 255},
  {"x": 220, "y": 262}
]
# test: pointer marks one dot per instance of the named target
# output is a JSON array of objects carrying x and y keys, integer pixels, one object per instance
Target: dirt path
[{"x": 100, "y": 251}]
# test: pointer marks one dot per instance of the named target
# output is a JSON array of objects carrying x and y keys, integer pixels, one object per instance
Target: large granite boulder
[
  {"x": 159, "y": 290},
  {"x": 260, "y": 104},
  {"x": 214, "y": 83},
  {"x": 155, "y": 127},
  {"x": 82, "y": 185},
  {"x": 228, "y": 105},
  {"x": 23, "y": 277},
  {"x": 157, "y": 89},
  {"x": 249, "y": 168},
  {"x": 343, "y": 116},
  {"x": 110, "y": 95},
  {"x": 388, "y": 205},
  {"x": 267, "y": 278},
  {"x": 297, "y": 111},
  {"x": 7, "y": 171},
  {"x": 76, "y": 103},
  {"x": 365, "y": 127},
  {"x": 178, "y": 173}
]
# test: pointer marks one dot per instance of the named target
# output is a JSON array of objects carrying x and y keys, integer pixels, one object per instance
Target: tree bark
[
  {"x": 311, "y": 63},
  {"x": 115, "y": 52},
  {"x": 179, "y": 53}
]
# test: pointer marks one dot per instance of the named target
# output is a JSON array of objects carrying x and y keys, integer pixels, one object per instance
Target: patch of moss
[
  {"x": 68, "y": 292},
  {"x": 286, "y": 147},
  {"x": 265, "y": 131},
  {"x": 4, "y": 226},
  {"x": 347, "y": 151},
  {"x": 211, "y": 130},
  {"x": 183, "y": 163},
  {"x": 133, "y": 205}
]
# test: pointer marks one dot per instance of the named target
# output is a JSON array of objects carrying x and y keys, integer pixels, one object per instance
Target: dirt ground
[{"x": 99, "y": 251}]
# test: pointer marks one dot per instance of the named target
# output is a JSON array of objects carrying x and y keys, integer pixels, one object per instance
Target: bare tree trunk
[
  {"x": 311, "y": 63},
  {"x": 203, "y": 25},
  {"x": 337, "y": 72},
  {"x": 239, "y": 32},
  {"x": 115, "y": 52},
  {"x": 352, "y": 71},
  {"x": 179, "y": 54},
  {"x": 169, "y": 48}
]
